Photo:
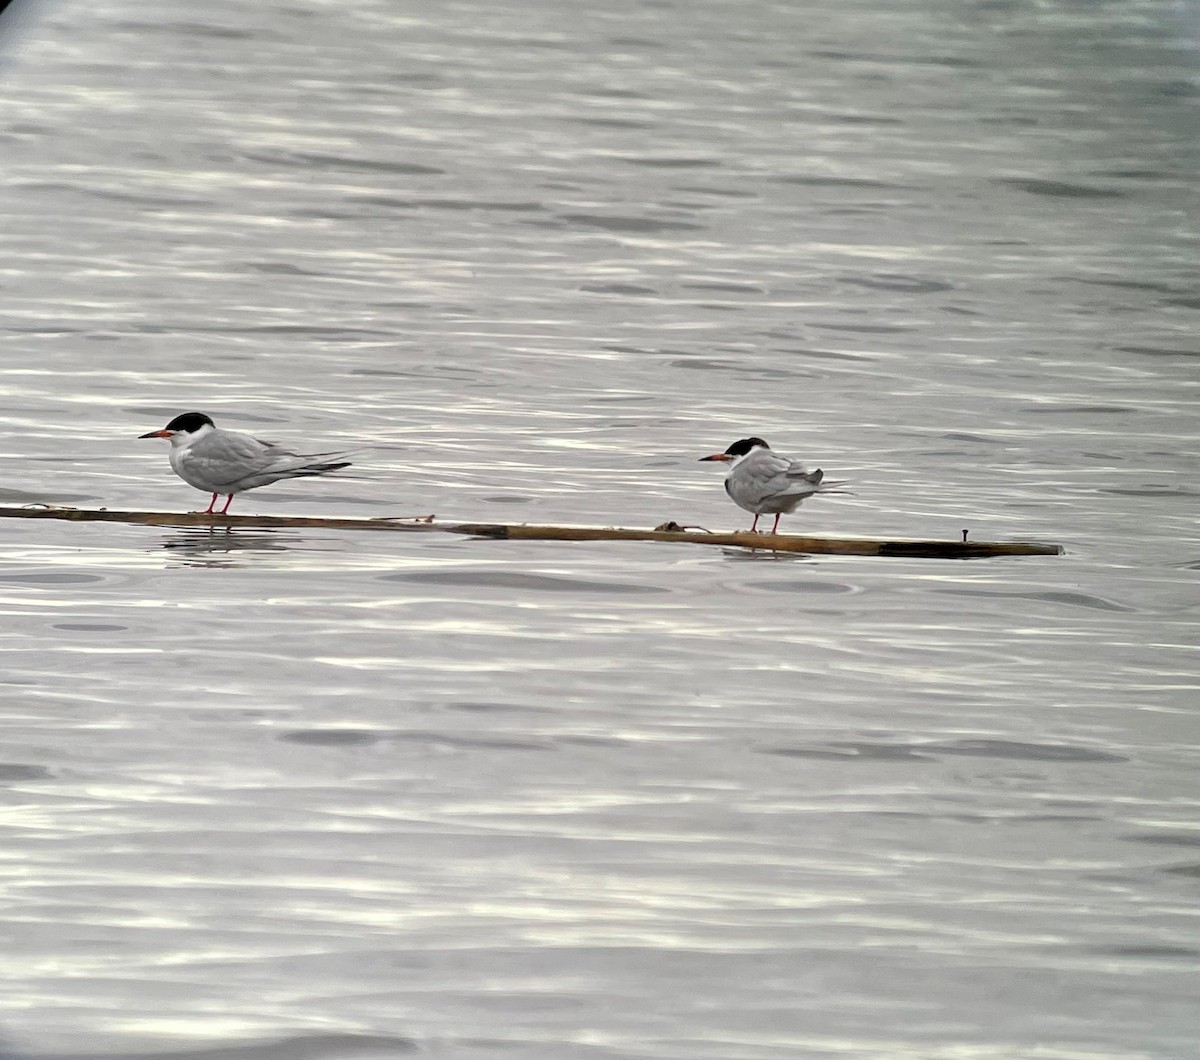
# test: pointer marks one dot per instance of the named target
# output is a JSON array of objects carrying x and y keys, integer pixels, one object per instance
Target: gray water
[{"x": 309, "y": 795}]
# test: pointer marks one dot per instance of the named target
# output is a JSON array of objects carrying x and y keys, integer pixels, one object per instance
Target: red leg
[
  {"x": 754, "y": 525},
  {"x": 775, "y": 528},
  {"x": 228, "y": 502},
  {"x": 208, "y": 510}
]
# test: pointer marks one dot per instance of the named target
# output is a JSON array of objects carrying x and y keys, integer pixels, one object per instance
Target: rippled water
[{"x": 319, "y": 794}]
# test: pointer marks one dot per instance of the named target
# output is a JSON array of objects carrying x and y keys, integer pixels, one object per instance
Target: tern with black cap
[
  {"x": 764, "y": 483},
  {"x": 224, "y": 462}
]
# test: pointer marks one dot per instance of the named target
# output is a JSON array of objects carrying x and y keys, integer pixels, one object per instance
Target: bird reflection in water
[{"x": 225, "y": 547}]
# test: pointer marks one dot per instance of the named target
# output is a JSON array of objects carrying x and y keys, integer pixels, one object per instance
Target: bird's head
[
  {"x": 742, "y": 447},
  {"x": 183, "y": 429}
]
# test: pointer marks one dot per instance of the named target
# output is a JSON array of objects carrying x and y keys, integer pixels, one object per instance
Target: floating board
[{"x": 843, "y": 546}]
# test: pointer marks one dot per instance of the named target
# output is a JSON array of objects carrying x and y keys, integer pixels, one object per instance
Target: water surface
[{"x": 279, "y": 795}]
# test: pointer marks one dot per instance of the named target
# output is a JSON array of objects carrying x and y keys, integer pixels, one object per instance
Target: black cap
[
  {"x": 744, "y": 445},
  {"x": 189, "y": 422}
]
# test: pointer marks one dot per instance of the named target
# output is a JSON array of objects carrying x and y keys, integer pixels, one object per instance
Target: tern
[
  {"x": 227, "y": 462},
  {"x": 765, "y": 483}
]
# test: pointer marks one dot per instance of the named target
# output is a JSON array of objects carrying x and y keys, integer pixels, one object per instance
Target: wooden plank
[
  {"x": 844, "y": 546},
  {"x": 205, "y": 520}
]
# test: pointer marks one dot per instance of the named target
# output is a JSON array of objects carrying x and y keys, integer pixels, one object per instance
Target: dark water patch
[
  {"x": 495, "y": 708},
  {"x": 1167, "y": 839},
  {"x": 308, "y": 160},
  {"x": 653, "y": 162},
  {"x": 449, "y": 204},
  {"x": 1157, "y": 351},
  {"x": 862, "y": 329},
  {"x": 618, "y": 288},
  {"x": 315, "y": 331},
  {"x": 864, "y": 119},
  {"x": 1177, "y": 89},
  {"x": 1005, "y": 749},
  {"x": 332, "y": 737},
  {"x": 953, "y": 62},
  {"x": 1059, "y": 189},
  {"x": 1070, "y": 818},
  {"x": 705, "y": 364},
  {"x": 811, "y": 586},
  {"x": 191, "y": 29},
  {"x": 1161, "y": 491},
  {"x": 497, "y": 41},
  {"x": 141, "y": 199},
  {"x": 324, "y": 213},
  {"x": 1188, "y": 302},
  {"x": 636, "y": 42},
  {"x": 730, "y": 288},
  {"x": 1095, "y": 603},
  {"x": 1122, "y": 284},
  {"x": 469, "y": 743},
  {"x": 494, "y": 579},
  {"x": 506, "y": 498},
  {"x": 409, "y": 78},
  {"x": 1191, "y": 870},
  {"x": 280, "y": 268},
  {"x": 665, "y": 351},
  {"x": 758, "y": 372},
  {"x": 1148, "y": 951},
  {"x": 981, "y": 818},
  {"x": 1054, "y": 410},
  {"x": 826, "y": 355},
  {"x": 954, "y": 436},
  {"x": 840, "y": 55},
  {"x": 839, "y": 182},
  {"x": 846, "y": 750},
  {"x": 884, "y": 281},
  {"x": 1133, "y": 173},
  {"x": 724, "y": 193},
  {"x": 592, "y": 741},
  {"x": 864, "y": 210},
  {"x": 637, "y": 225},
  {"x": 610, "y": 123},
  {"x": 12, "y": 772},
  {"x": 89, "y": 627},
  {"x": 305, "y": 1047},
  {"x": 1021, "y": 751},
  {"x": 611, "y": 93},
  {"x": 51, "y": 578},
  {"x": 891, "y": 59}
]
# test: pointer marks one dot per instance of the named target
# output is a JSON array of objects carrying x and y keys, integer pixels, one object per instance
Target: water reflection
[{"x": 224, "y": 546}]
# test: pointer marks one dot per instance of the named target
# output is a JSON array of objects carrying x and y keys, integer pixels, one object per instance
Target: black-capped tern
[
  {"x": 765, "y": 483},
  {"x": 228, "y": 462}
]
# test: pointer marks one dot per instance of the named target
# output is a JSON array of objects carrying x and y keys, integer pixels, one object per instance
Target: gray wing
[
  {"x": 228, "y": 462},
  {"x": 226, "y": 457}
]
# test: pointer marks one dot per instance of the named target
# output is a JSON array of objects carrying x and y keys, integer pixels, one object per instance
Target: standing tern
[
  {"x": 228, "y": 462},
  {"x": 765, "y": 483}
]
